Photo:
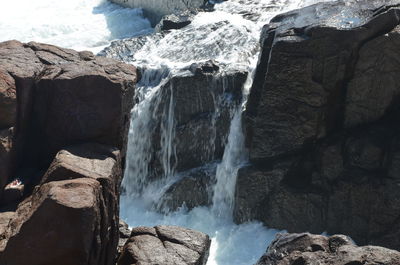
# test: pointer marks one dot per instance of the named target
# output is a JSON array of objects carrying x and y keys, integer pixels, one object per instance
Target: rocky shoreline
[{"x": 321, "y": 126}]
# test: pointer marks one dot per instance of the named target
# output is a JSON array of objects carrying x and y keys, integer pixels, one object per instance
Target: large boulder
[
  {"x": 165, "y": 245},
  {"x": 68, "y": 237},
  {"x": 322, "y": 124},
  {"x": 307, "y": 249},
  {"x": 80, "y": 190},
  {"x": 310, "y": 59},
  {"x": 66, "y": 97},
  {"x": 64, "y": 153}
]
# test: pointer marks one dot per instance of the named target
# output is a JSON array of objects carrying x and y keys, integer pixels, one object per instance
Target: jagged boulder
[
  {"x": 322, "y": 124},
  {"x": 80, "y": 190},
  {"x": 307, "y": 249},
  {"x": 69, "y": 237},
  {"x": 72, "y": 112},
  {"x": 165, "y": 245},
  {"x": 310, "y": 62},
  {"x": 66, "y": 97}
]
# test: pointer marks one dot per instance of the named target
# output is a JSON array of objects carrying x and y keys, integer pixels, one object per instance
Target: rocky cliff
[
  {"x": 63, "y": 128},
  {"x": 322, "y": 123}
]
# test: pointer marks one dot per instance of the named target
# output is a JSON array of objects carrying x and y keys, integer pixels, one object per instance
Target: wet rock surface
[
  {"x": 154, "y": 10},
  {"x": 192, "y": 189},
  {"x": 165, "y": 245},
  {"x": 175, "y": 21},
  {"x": 62, "y": 153},
  {"x": 322, "y": 124},
  {"x": 307, "y": 249},
  {"x": 201, "y": 104}
]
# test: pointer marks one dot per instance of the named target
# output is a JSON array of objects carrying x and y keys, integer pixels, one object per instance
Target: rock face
[
  {"x": 187, "y": 124},
  {"x": 68, "y": 237},
  {"x": 165, "y": 245},
  {"x": 192, "y": 189},
  {"x": 202, "y": 106},
  {"x": 63, "y": 151},
  {"x": 323, "y": 124},
  {"x": 307, "y": 249},
  {"x": 156, "y": 9},
  {"x": 7, "y": 161},
  {"x": 64, "y": 98},
  {"x": 175, "y": 21}
]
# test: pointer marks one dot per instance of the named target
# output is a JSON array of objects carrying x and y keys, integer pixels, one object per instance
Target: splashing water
[
  {"x": 77, "y": 24},
  {"x": 229, "y": 35}
]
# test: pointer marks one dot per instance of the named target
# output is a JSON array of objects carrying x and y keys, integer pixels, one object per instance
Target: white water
[
  {"x": 229, "y": 35},
  {"x": 76, "y": 24}
]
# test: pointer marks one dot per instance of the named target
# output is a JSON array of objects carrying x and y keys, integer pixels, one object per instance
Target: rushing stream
[{"x": 228, "y": 35}]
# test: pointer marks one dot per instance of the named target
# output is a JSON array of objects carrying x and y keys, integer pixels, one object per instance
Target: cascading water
[
  {"x": 228, "y": 35},
  {"x": 77, "y": 24}
]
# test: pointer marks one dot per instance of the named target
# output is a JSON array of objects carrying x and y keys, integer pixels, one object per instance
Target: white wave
[{"x": 76, "y": 24}]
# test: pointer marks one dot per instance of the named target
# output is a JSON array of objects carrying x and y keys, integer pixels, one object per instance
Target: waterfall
[{"x": 229, "y": 36}]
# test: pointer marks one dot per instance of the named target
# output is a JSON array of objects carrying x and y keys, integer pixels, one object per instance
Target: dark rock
[
  {"x": 204, "y": 68},
  {"x": 7, "y": 161},
  {"x": 154, "y": 10},
  {"x": 202, "y": 107},
  {"x": 175, "y": 21},
  {"x": 310, "y": 59},
  {"x": 331, "y": 188},
  {"x": 165, "y": 245},
  {"x": 374, "y": 90},
  {"x": 304, "y": 249},
  {"x": 192, "y": 189},
  {"x": 322, "y": 124},
  {"x": 77, "y": 98}
]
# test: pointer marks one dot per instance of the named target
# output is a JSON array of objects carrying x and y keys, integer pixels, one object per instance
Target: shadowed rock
[
  {"x": 322, "y": 124},
  {"x": 307, "y": 249}
]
